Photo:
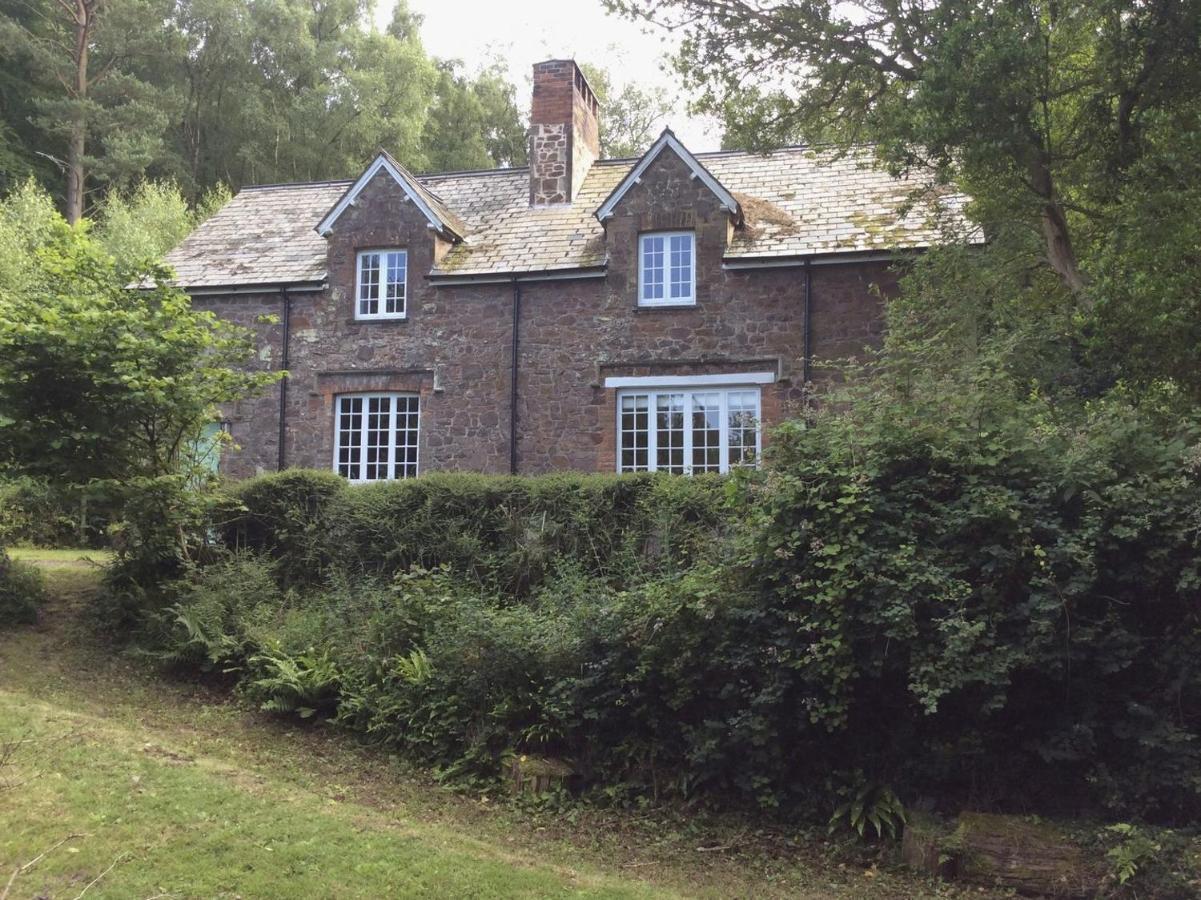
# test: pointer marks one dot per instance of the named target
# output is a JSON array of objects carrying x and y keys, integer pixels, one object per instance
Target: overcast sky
[{"x": 525, "y": 32}]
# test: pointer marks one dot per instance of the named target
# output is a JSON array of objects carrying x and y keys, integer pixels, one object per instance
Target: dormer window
[
  {"x": 667, "y": 269},
  {"x": 380, "y": 286}
]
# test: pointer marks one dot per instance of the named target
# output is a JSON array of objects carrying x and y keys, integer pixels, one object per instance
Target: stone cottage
[{"x": 582, "y": 313}]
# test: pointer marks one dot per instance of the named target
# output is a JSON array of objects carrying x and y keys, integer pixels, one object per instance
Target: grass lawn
[
  {"x": 51, "y": 558},
  {"x": 162, "y": 789}
]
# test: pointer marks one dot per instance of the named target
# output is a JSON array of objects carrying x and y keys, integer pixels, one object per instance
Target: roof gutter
[
  {"x": 735, "y": 263},
  {"x": 270, "y": 288},
  {"x": 448, "y": 279}
]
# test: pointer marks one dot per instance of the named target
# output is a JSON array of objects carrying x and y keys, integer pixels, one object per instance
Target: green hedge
[{"x": 506, "y": 534}]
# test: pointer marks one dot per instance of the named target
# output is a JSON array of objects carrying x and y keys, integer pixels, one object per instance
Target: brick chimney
[{"x": 564, "y": 132}]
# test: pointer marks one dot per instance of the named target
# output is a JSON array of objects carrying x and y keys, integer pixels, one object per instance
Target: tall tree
[
  {"x": 80, "y": 55},
  {"x": 474, "y": 122},
  {"x": 631, "y": 117},
  {"x": 208, "y": 92},
  {"x": 1038, "y": 107}
]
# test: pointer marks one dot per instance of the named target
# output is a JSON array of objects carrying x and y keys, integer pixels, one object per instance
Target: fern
[
  {"x": 414, "y": 668},
  {"x": 197, "y": 641},
  {"x": 871, "y": 804},
  {"x": 306, "y": 684}
]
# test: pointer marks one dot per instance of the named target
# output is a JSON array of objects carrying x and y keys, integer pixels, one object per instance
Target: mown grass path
[{"x": 137, "y": 787}]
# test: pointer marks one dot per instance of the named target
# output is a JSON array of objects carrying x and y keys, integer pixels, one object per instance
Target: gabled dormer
[
  {"x": 385, "y": 228},
  {"x": 442, "y": 221},
  {"x": 667, "y": 225},
  {"x": 668, "y": 142}
]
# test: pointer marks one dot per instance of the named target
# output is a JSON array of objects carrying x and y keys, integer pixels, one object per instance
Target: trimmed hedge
[{"x": 505, "y": 534}]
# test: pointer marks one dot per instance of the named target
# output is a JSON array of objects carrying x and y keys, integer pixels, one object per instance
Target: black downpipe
[
  {"x": 513, "y": 380},
  {"x": 286, "y": 303},
  {"x": 808, "y": 360}
]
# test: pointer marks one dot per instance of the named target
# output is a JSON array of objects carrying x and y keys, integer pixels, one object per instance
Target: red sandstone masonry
[{"x": 454, "y": 347}]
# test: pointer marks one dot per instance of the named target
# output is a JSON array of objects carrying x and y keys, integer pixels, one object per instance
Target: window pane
[
  {"x": 669, "y": 432},
  {"x": 368, "y": 284},
  {"x": 376, "y": 440},
  {"x": 743, "y": 427},
  {"x": 683, "y": 431},
  {"x": 406, "y": 438},
  {"x": 350, "y": 426},
  {"x": 394, "y": 301},
  {"x": 652, "y": 267},
  {"x": 681, "y": 266},
  {"x": 706, "y": 432},
  {"x": 635, "y": 433},
  {"x": 377, "y": 436}
]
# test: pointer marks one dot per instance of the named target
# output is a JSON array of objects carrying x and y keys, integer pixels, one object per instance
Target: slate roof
[{"x": 796, "y": 203}]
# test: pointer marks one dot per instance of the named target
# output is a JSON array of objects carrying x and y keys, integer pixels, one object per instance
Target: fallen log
[{"x": 1026, "y": 856}]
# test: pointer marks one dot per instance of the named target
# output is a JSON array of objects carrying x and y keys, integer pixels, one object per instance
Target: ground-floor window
[
  {"x": 376, "y": 436},
  {"x": 687, "y": 430}
]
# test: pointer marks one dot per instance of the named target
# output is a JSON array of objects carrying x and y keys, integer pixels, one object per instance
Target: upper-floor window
[
  {"x": 380, "y": 287},
  {"x": 684, "y": 430},
  {"x": 667, "y": 269},
  {"x": 376, "y": 436}
]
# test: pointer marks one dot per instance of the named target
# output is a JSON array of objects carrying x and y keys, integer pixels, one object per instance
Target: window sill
[
  {"x": 399, "y": 320},
  {"x": 665, "y": 308}
]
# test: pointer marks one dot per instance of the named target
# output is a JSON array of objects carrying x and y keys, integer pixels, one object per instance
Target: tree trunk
[
  {"x": 76, "y": 141},
  {"x": 1061, "y": 257}
]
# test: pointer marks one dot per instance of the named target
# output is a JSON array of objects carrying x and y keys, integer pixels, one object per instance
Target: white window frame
[
  {"x": 666, "y": 299},
  {"x": 722, "y": 388},
  {"x": 381, "y": 300},
  {"x": 392, "y": 397}
]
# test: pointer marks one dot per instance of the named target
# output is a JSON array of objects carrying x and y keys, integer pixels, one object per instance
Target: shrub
[
  {"x": 22, "y": 592},
  {"x": 1009, "y": 610},
  {"x": 999, "y": 617},
  {"x": 164, "y": 531},
  {"x": 211, "y": 627},
  {"x": 35, "y": 511}
]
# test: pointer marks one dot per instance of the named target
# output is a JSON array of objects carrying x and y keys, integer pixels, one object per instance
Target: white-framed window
[
  {"x": 667, "y": 268},
  {"x": 375, "y": 436},
  {"x": 686, "y": 430},
  {"x": 380, "y": 285}
]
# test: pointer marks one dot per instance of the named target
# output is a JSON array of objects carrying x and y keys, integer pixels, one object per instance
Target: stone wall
[
  {"x": 454, "y": 348},
  {"x": 253, "y": 423}
]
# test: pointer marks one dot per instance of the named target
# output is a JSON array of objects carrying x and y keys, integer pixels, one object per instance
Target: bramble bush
[{"x": 998, "y": 616}]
